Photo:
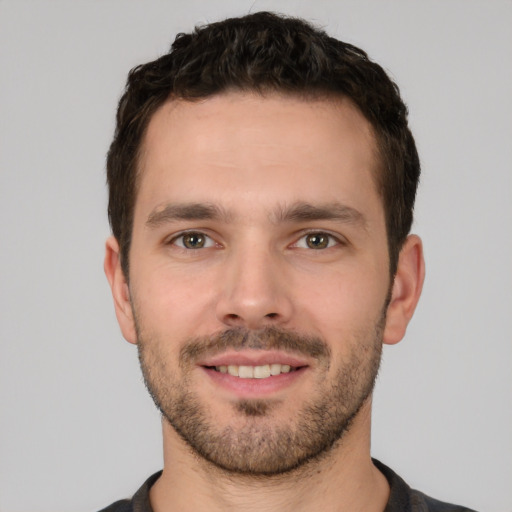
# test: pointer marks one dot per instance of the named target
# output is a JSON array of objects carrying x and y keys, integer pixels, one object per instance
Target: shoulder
[
  {"x": 119, "y": 506},
  {"x": 140, "y": 501},
  {"x": 423, "y": 503},
  {"x": 404, "y": 499}
]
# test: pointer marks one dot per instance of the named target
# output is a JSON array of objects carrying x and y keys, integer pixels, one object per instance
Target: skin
[{"x": 253, "y": 158}]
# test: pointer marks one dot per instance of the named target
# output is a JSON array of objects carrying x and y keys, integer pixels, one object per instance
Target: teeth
[
  {"x": 254, "y": 372},
  {"x": 275, "y": 369},
  {"x": 233, "y": 370},
  {"x": 246, "y": 372},
  {"x": 262, "y": 372}
]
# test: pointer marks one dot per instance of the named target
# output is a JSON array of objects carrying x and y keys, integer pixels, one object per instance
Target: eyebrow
[
  {"x": 297, "y": 212},
  {"x": 302, "y": 211},
  {"x": 186, "y": 211}
]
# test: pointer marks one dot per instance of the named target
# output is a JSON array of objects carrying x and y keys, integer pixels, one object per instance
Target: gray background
[{"x": 77, "y": 429}]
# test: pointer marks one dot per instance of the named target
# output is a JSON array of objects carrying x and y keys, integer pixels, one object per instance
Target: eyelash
[
  {"x": 180, "y": 236},
  {"x": 210, "y": 242},
  {"x": 333, "y": 240}
]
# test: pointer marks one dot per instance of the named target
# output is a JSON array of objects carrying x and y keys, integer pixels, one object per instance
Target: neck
[{"x": 344, "y": 479}]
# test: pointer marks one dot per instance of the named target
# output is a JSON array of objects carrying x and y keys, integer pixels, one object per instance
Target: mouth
[{"x": 255, "y": 372}]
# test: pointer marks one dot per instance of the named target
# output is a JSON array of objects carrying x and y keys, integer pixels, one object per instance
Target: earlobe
[
  {"x": 120, "y": 290},
  {"x": 406, "y": 290}
]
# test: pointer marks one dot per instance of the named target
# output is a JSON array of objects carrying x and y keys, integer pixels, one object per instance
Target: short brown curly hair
[{"x": 265, "y": 52}]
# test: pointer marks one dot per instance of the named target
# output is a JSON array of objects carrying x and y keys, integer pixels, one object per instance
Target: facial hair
[{"x": 258, "y": 443}]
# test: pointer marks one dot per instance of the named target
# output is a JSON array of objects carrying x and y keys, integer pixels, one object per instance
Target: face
[{"x": 258, "y": 283}]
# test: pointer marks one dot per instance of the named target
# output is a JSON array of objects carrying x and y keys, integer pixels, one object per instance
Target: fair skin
[{"x": 256, "y": 212}]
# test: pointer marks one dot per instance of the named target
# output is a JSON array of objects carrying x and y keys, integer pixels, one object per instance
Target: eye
[
  {"x": 317, "y": 240},
  {"x": 193, "y": 240}
]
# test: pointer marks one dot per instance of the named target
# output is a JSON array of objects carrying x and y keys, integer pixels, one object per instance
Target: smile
[{"x": 255, "y": 372}]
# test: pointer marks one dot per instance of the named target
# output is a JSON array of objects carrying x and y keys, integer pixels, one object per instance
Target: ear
[
  {"x": 120, "y": 290},
  {"x": 406, "y": 290}
]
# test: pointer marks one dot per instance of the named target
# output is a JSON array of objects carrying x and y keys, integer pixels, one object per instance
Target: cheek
[
  {"x": 345, "y": 304},
  {"x": 176, "y": 302}
]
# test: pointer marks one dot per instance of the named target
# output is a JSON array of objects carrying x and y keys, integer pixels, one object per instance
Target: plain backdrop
[{"x": 77, "y": 429}]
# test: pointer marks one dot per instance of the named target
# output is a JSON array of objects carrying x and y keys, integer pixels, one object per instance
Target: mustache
[{"x": 239, "y": 338}]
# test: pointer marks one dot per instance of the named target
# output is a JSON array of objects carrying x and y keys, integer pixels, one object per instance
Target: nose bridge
[{"x": 253, "y": 290}]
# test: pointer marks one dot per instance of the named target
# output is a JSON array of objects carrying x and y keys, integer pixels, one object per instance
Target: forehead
[{"x": 244, "y": 145}]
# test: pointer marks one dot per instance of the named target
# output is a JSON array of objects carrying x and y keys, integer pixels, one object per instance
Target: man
[{"x": 262, "y": 180}]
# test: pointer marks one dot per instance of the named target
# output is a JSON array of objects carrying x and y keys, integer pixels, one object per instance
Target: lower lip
[{"x": 255, "y": 388}]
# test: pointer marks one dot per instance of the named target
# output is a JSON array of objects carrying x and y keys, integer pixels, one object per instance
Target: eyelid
[
  {"x": 210, "y": 241},
  {"x": 339, "y": 240}
]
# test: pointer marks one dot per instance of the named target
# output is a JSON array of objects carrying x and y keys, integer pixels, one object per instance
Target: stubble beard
[{"x": 259, "y": 444}]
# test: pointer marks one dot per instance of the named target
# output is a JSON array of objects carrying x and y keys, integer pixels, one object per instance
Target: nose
[{"x": 254, "y": 290}]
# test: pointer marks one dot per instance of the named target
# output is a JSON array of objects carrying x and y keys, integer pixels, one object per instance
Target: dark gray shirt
[{"x": 401, "y": 498}]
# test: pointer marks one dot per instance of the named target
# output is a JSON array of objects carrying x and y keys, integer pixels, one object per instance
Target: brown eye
[
  {"x": 193, "y": 240},
  {"x": 317, "y": 240}
]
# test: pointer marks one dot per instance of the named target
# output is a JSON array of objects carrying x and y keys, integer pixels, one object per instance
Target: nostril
[{"x": 271, "y": 315}]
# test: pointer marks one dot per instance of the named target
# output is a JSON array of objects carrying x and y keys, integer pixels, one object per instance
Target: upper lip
[{"x": 253, "y": 358}]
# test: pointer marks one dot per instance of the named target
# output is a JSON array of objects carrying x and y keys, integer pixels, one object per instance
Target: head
[
  {"x": 261, "y": 180},
  {"x": 265, "y": 53}
]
